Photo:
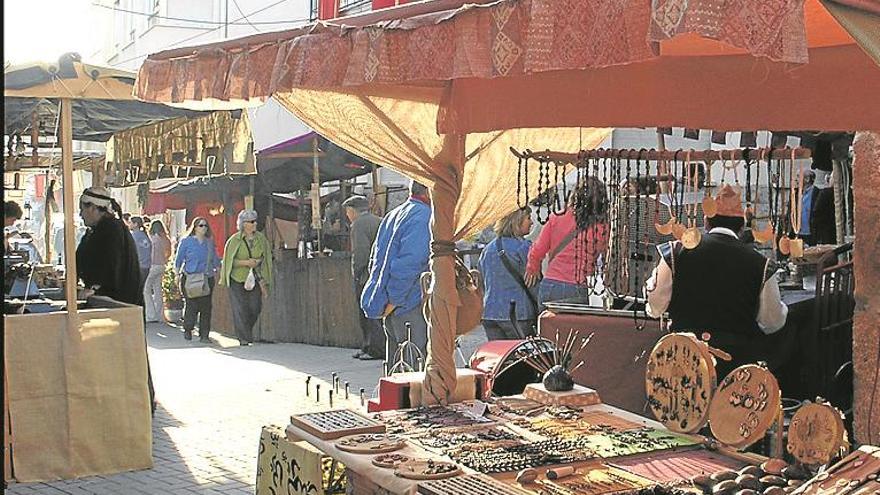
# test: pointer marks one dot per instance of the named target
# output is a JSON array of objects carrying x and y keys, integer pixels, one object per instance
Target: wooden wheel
[
  {"x": 679, "y": 381},
  {"x": 816, "y": 433},
  {"x": 746, "y": 403}
]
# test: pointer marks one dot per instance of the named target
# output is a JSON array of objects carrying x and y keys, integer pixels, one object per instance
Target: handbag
[
  {"x": 517, "y": 276},
  {"x": 196, "y": 284},
  {"x": 251, "y": 281}
]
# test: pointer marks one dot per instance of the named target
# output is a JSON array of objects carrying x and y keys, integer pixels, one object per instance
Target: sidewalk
[{"x": 213, "y": 400}]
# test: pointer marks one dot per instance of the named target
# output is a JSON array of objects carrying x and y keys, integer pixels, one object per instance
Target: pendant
[
  {"x": 691, "y": 238},
  {"x": 784, "y": 245},
  {"x": 678, "y": 230},
  {"x": 710, "y": 206},
  {"x": 665, "y": 228},
  {"x": 763, "y": 236},
  {"x": 796, "y": 246}
]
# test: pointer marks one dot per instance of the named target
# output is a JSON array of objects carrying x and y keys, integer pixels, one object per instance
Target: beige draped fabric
[
  {"x": 400, "y": 133},
  {"x": 862, "y": 24},
  {"x": 154, "y": 145},
  {"x": 473, "y": 181}
]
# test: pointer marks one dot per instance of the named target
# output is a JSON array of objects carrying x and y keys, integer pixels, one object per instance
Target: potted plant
[{"x": 171, "y": 294}]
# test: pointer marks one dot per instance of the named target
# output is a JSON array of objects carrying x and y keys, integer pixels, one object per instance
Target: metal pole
[
  {"x": 316, "y": 200},
  {"x": 226, "y": 21},
  {"x": 47, "y": 214},
  {"x": 69, "y": 225}
]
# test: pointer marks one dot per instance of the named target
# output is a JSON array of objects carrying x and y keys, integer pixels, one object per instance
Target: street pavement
[{"x": 212, "y": 403}]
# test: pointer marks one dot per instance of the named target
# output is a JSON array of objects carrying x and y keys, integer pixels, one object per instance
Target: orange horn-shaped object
[
  {"x": 784, "y": 245},
  {"x": 763, "y": 236},
  {"x": 665, "y": 228},
  {"x": 710, "y": 206},
  {"x": 678, "y": 230}
]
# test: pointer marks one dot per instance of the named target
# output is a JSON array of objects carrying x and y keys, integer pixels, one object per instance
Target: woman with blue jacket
[
  {"x": 503, "y": 263},
  {"x": 196, "y": 254}
]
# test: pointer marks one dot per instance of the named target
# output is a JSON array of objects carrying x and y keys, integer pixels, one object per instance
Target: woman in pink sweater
[{"x": 573, "y": 241}]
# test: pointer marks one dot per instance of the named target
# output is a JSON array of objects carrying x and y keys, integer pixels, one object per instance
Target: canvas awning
[
  {"x": 289, "y": 166},
  {"x": 102, "y": 97},
  {"x": 440, "y": 90},
  {"x": 182, "y": 148}
]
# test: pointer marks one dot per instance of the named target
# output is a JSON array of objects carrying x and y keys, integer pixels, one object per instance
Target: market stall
[
  {"x": 444, "y": 91},
  {"x": 282, "y": 169},
  {"x": 78, "y": 400},
  {"x": 559, "y": 71}
]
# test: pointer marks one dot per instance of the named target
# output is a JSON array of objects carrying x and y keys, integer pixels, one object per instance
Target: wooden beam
[
  {"x": 294, "y": 154},
  {"x": 69, "y": 206}
]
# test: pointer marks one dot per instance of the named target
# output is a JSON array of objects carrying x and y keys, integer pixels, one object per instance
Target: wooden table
[{"x": 370, "y": 479}]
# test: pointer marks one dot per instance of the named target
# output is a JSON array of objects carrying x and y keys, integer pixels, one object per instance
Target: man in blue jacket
[{"x": 400, "y": 256}]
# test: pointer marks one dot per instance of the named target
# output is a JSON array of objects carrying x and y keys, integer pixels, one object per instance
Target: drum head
[{"x": 680, "y": 381}]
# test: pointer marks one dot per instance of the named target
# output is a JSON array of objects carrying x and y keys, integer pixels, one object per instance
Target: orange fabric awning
[{"x": 601, "y": 63}]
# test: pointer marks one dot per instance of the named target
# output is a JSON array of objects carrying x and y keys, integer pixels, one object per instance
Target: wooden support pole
[
  {"x": 69, "y": 207},
  {"x": 866, "y": 252}
]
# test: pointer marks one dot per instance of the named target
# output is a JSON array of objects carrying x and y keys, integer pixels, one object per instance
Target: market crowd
[{"x": 130, "y": 258}]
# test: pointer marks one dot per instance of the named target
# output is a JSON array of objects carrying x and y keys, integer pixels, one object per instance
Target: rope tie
[{"x": 443, "y": 248}]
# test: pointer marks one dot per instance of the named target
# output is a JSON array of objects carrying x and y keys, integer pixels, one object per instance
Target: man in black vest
[{"x": 722, "y": 286}]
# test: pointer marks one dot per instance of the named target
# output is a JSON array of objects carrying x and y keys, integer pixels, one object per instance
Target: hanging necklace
[
  {"x": 522, "y": 175},
  {"x": 710, "y": 205},
  {"x": 766, "y": 235},
  {"x": 678, "y": 227},
  {"x": 785, "y": 240},
  {"x": 636, "y": 255},
  {"x": 796, "y": 245},
  {"x": 691, "y": 237},
  {"x": 543, "y": 174},
  {"x": 666, "y": 228}
]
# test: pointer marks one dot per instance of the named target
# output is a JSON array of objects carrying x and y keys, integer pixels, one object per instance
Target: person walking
[
  {"x": 161, "y": 252},
  {"x": 583, "y": 227},
  {"x": 247, "y": 271},
  {"x": 364, "y": 228},
  {"x": 196, "y": 264},
  {"x": 400, "y": 256},
  {"x": 144, "y": 248},
  {"x": 503, "y": 263}
]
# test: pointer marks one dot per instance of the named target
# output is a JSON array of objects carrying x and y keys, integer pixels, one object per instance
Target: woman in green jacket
[{"x": 247, "y": 271}]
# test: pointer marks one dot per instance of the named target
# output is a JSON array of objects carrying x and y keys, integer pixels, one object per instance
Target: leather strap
[
  {"x": 499, "y": 246},
  {"x": 565, "y": 242}
]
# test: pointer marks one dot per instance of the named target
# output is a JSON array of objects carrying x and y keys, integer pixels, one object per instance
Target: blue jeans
[
  {"x": 395, "y": 333},
  {"x": 554, "y": 290},
  {"x": 504, "y": 330}
]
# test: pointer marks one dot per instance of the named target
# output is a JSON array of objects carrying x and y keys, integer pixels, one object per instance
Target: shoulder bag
[
  {"x": 251, "y": 281},
  {"x": 499, "y": 246},
  {"x": 196, "y": 284}
]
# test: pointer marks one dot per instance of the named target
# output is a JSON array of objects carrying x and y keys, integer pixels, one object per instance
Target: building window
[{"x": 354, "y": 6}]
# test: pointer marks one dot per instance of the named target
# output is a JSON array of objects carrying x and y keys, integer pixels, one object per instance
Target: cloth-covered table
[
  {"x": 384, "y": 479},
  {"x": 78, "y": 399}
]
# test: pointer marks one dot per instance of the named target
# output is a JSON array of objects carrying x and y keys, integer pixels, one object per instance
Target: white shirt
[{"x": 772, "y": 312}]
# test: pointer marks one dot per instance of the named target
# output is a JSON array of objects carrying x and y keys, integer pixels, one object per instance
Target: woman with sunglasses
[
  {"x": 247, "y": 271},
  {"x": 197, "y": 261}
]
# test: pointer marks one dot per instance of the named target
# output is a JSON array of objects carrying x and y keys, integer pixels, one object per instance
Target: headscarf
[
  {"x": 245, "y": 216},
  {"x": 100, "y": 197}
]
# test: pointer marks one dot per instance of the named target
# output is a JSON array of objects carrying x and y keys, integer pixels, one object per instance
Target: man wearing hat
[
  {"x": 106, "y": 258},
  {"x": 721, "y": 286},
  {"x": 399, "y": 257},
  {"x": 364, "y": 227}
]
